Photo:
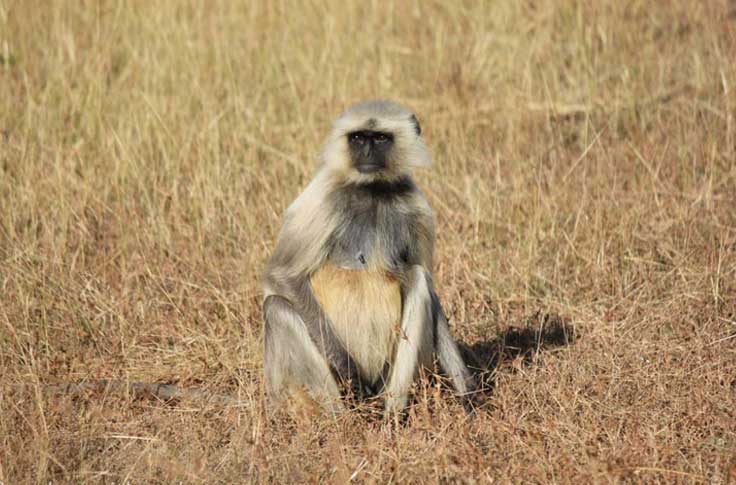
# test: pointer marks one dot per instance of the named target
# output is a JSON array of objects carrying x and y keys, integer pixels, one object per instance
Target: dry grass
[{"x": 585, "y": 181}]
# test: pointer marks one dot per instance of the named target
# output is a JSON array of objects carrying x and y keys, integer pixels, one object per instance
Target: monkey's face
[
  {"x": 375, "y": 140},
  {"x": 370, "y": 151}
]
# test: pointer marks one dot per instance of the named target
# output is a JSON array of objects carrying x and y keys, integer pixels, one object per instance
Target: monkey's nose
[{"x": 367, "y": 149}]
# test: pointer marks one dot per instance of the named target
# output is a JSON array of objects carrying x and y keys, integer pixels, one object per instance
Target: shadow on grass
[{"x": 538, "y": 333}]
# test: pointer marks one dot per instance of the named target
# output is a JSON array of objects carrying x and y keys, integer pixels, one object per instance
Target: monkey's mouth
[{"x": 369, "y": 167}]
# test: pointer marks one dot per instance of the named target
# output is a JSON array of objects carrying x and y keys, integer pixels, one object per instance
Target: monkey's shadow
[{"x": 523, "y": 341}]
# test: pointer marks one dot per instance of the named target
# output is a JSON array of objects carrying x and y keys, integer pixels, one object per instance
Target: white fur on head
[{"x": 408, "y": 150}]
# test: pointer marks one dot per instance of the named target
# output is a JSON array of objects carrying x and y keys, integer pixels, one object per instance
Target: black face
[{"x": 369, "y": 150}]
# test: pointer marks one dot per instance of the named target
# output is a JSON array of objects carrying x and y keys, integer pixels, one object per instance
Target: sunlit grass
[{"x": 584, "y": 173}]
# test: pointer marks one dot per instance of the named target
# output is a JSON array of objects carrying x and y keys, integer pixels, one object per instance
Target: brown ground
[{"x": 585, "y": 189}]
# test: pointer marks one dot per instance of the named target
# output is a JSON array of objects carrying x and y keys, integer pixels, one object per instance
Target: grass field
[{"x": 585, "y": 191}]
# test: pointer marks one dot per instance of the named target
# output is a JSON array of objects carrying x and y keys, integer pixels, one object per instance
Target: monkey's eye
[
  {"x": 356, "y": 138},
  {"x": 381, "y": 138}
]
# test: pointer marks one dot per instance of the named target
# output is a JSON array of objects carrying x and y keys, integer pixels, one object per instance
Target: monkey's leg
[
  {"x": 318, "y": 327},
  {"x": 449, "y": 356},
  {"x": 416, "y": 341},
  {"x": 292, "y": 360}
]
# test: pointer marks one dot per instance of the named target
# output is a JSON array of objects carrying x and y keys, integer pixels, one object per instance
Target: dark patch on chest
[
  {"x": 368, "y": 211},
  {"x": 394, "y": 191}
]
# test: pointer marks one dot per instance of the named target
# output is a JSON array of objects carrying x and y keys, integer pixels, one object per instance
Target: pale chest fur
[{"x": 364, "y": 307}]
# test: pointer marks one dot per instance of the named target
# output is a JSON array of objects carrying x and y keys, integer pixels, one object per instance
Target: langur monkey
[{"x": 349, "y": 302}]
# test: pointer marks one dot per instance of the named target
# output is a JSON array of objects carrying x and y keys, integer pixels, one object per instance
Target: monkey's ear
[{"x": 417, "y": 127}]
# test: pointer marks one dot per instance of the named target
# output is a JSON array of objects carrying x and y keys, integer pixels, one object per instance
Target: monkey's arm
[
  {"x": 299, "y": 252},
  {"x": 424, "y": 331},
  {"x": 448, "y": 353},
  {"x": 424, "y": 326},
  {"x": 416, "y": 340}
]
